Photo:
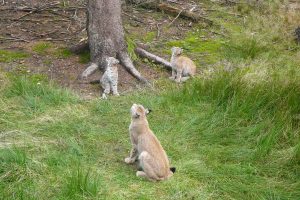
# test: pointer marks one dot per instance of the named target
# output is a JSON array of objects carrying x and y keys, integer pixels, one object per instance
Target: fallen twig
[
  {"x": 34, "y": 20},
  {"x": 173, "y": 1},
  {"x": 228, "y": 13},
  {"x": 57, "y": 39},
  {"x": 59, "y": 14},
  {"x": 175, "y": 18},
  {"x": 14, "y": 39},
  {"x": 49, "y": 33},
  {"x": 28, "y": 9},
  {"x": 218, "y": 33},
  {"x": 134, "y": 18},
  {"x": 38, "y": 9},
  {"x": 175, "y": 11}
]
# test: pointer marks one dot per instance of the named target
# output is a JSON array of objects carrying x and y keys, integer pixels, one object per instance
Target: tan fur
[
  {"x": 182, "y": 67},
  {"x": 147, "y": 148}
]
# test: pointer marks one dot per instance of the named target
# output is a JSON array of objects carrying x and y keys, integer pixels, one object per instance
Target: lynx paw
[
  {"x": 104, "y": 96},
  {"x": 140, "y": 173},
  {"x": 128, "y": 160}
]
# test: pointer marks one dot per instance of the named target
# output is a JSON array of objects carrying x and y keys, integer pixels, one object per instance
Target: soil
[{"x": 25, "y": 23}]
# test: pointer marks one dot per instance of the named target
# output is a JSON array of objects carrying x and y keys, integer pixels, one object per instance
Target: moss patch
[
  {"x": 63, "y": 53},
  {"x": 194, "y": 44},
  {"x": 84, "y": 57}
]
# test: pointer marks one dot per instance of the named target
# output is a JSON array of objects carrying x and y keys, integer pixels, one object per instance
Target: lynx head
[
  {"x": 176, "y": 51},
  {"x": 138, "y": 111},
  {"x": 111, "y": 61}
]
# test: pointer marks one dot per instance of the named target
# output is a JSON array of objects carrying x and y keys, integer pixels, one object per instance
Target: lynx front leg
[
  {"x": 133, "y": 156},
  {"x": 179, "y": 75},
  {"x": 106, "y": 88},
  {"x": 183, "y": 79},
  {"x": 173, "y": 74}
]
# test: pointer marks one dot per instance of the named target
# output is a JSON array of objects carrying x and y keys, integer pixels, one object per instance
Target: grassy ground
[{"x": 232, "y": 133}]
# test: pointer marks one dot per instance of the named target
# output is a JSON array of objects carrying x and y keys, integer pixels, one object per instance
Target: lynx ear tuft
[{"x": 173, "y": 169}]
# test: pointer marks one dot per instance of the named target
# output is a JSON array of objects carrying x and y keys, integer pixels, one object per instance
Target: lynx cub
[
  {"x": 109, "y": 80},
  {"x": 182, "y": 67}
]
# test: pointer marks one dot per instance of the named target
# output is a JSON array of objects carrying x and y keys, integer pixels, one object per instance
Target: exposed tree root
[
  {"x": 79, "y": 48},
  {"x": 145, "y": 54},
  {"x": 127, "y": 63}
]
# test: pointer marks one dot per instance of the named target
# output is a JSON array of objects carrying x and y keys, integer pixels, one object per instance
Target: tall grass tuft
[
  {"x": 81, "y": 183},
  {"x": 36, "y": 93},
  {"x": 245, "y": 48},
  {"x": 296, "y": 154},
  {"x": 12, "y": 156},
  {"x": 273, "y": 103}
]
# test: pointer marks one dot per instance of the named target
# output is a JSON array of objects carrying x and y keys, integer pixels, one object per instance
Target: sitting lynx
[
  {"x": 182, "y": 67},
  {"x": 146, "y": 148},
  {"x": 109, "y": 80}
]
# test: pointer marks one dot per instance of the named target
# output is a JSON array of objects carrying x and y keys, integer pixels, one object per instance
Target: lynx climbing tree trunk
[{"x": 106, "y": 36}]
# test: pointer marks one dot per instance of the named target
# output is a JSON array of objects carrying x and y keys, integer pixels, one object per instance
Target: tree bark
[
  {"x": 297, "y": 34},
  {"x": 106, "y": 36}
]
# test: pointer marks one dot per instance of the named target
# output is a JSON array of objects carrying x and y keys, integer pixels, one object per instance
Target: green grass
[
  {"x": 130, "y": 48},
  {"x": 9, "y": 56},
  {"x": 226, "y": 142},
  {"x": 245, "y": 49},
  {"x": 42, "y": 48},
  {"x": 35, "y": 93},
  {"x": 46, "y": 48},
  {"x": 231, "y": 134},
  {"x": 149, "y": 37},
  {"x": 63, "y": 53},
  {"x": 193, "y": 44}
]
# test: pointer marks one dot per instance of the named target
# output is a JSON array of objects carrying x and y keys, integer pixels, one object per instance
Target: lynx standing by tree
[{"x": 109, "y": 80}]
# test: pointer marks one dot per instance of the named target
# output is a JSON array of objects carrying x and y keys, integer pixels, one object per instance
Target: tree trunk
[
  {"x": 297, "y": 34},
  {"x": 106, "y": 36}
]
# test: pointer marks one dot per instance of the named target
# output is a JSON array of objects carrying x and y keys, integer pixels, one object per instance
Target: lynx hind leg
[
  {"x": 148, "y": 165},
  {"x": 143, "y": 174},
  {"x": 114, "y": 87},
  {"x": 183, "y": 79},
  {"x": 179, "y": 76},
  {"x": 106, "y": 87}
]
